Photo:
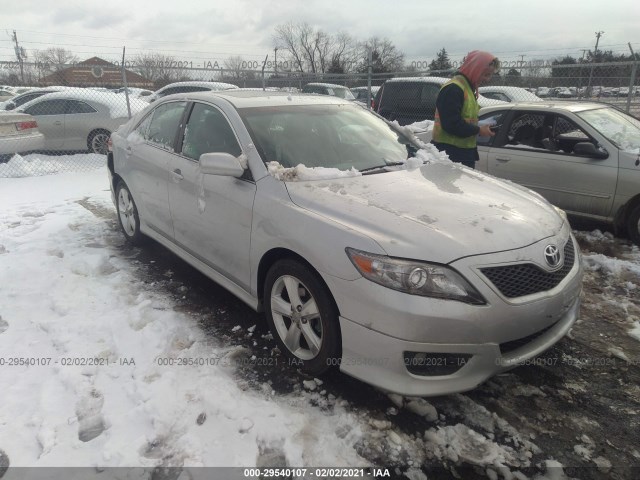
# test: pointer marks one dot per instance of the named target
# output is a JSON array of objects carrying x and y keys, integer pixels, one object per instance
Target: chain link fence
[{"x": 77, "y": 107}]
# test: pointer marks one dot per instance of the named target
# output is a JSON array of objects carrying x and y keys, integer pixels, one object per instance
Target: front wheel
[
  {"x": 302, "y": 316},
  {"x": 128, "y": 215},
  {"x": 633, "y": 225}
]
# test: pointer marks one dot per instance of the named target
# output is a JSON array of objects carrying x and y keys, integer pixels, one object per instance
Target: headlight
[{"x": 414, "y": 277}]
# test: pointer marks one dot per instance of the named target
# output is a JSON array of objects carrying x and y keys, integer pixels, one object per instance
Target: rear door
[{"x": 150, "y": 149}]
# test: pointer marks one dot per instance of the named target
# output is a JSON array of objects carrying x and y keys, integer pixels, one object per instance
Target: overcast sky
[{"x": 214, "y": 30}]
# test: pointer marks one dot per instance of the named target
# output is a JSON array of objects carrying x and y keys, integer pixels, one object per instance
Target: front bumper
[
  {"x": 379, "y": 326},
  {"x": 387, "y": 368}
]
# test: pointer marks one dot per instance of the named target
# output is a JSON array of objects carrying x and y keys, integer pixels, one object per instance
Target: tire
[
  {"x": 128, "y": 215},
  {"x": 311, "y": 340},
  {"x": 97, "y": 141},
  {"x": 633, "y": 225}
]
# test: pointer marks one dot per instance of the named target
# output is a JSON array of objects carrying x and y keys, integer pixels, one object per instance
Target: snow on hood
[
  {"x": 441, "y": 208},
  {"x": 301, "y": 172}
]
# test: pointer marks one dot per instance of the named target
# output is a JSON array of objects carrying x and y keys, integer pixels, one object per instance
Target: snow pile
[{"x": 38, "y": 164}]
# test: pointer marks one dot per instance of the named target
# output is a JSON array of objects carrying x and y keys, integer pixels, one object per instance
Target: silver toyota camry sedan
[{"x": 367, "y": 250}]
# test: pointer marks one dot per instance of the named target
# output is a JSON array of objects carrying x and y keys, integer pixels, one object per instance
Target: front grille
[{"x": 526, "y": 278}]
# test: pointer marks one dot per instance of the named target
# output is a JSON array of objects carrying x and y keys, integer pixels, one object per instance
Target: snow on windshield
[
  {"x": 621, "y": 129},
  {"x": 322, "y": 143}
]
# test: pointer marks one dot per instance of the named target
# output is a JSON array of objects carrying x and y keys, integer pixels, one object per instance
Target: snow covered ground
[{"x": 113, "y": 356}]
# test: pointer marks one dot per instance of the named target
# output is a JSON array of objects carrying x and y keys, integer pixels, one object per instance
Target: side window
[
  {"x": 493, "y": 118},
  {"x": 165, "y": 123},
  {"x": 429, "y": 95},
  {"x": 527, "y": 130},
  {"x": 47, "y": 107},
  {"x": 143, "y": 128},
  {"x": 74, "y": 106},
  {"x": 27, "y": 97},
  {"x": 208, "y": 131},
  {"x": 567, "y": 134}
]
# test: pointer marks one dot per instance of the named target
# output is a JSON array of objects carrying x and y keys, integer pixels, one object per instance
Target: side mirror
[
  {"x": 10, "y": 106},
  {"x": 588, "y": 149},
  {"x": 223, "y": 164}
]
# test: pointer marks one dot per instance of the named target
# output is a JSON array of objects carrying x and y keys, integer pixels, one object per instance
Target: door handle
[
  {"x": 57, "y": 122},
  {"x": 177, "y": 175},
  {"x": 503, "y": 159},
  {"x": 128, "y": 151}
]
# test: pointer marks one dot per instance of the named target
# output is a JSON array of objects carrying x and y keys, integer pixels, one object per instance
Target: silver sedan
[
  {"x": 366, "y": 253},
  {"x": 78, "y": 119}
]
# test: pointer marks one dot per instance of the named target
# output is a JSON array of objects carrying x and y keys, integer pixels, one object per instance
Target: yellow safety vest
[{"x": 469, "y": 114}]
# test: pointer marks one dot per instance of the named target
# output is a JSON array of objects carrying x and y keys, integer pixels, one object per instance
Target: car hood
[{"x": 439, "y": 212}]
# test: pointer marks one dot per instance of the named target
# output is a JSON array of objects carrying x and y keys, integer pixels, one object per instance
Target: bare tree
[
  {"x": 385, "y": 56},
  {"x": 54, "y": 59},
  {"x": 312, "y": 50},
  {"x": 236, "y": 70},
  {"x": 159, "y": 68},
  {"x": 287, "y": 36}
]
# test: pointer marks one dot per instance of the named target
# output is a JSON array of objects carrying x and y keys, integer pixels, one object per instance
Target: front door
[
  {"x": 211, "y": 214},
  {"x": 537, "y": 151}
]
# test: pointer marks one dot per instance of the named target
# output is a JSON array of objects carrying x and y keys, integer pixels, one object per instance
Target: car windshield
[
  {"x": 621, "y": 129},
  {"x": 343, "y": 93},
  {"x": 331, "y": 136}
]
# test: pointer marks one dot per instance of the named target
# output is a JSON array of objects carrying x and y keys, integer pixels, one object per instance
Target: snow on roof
[
  {"x": 212, "y": 85},
  {"x": 418, "y": 79},
  {"x": 328, "y": 85}
]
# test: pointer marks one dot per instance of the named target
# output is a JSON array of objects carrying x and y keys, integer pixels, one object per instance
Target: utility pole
[
  {"x": 595, "y": 53},
  {"x": 19, "y": 55},
  {"x": 584, "y": 52},
  {"x": 275, "y": 61}
]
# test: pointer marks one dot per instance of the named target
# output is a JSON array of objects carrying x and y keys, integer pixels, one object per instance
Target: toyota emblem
[{"x": 552, "y": 255}]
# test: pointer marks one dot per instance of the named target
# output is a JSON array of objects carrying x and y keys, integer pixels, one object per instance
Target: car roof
[
  {"x": 257, "y": 98},
  {"x": 330, "y": 85},
  {"x": 219, "y": 85},
  {"x": 439, "y": 80},
  {"x": 548, "y": 105}
]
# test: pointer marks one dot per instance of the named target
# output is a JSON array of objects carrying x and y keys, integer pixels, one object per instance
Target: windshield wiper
[{"x": 379, "y": 168}]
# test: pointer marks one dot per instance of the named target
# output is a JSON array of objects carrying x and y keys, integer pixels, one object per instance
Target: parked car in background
[
  {"x": 582, "y": 157},
  {"x": 140, "y": 93},
  {"x": 413, "y": 99},
  {"x": 508, "y": 94},
  {"x": 543, "y": 92},
  {"x": 330, "y": 89},
  {"x": 362, "y": 94},
  {"x": 6, "y": 95},
  {"x": 419, "y": 278},
  {"x": 184, "y": 87},
  {"x": 80, "y": 119},
  {"x": 23, "y": 98},
  {"x": 18, "y": 134}
]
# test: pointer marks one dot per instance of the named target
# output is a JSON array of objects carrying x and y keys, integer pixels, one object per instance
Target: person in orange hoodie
[{"x": 456, "y": 119}]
